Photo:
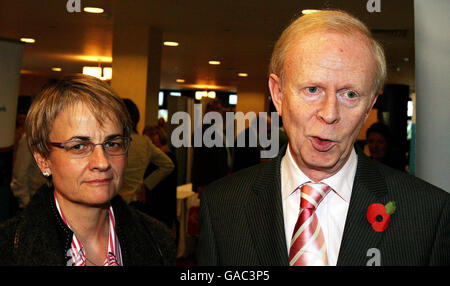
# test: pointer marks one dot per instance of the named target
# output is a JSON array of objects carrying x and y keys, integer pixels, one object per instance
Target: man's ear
[
  {"x": 374, "y": 100},
  {"x": 275, "y": 92},
  {"x": 42, "y": 163}
]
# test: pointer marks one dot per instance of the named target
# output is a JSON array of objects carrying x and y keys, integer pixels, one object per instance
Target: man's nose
[
  {"x": 98, "y": 159},
  {"x": 329, "y": 108}
]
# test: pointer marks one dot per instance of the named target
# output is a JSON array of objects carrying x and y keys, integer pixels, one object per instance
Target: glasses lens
[
  {"x": 78, "y": 148},
  {"x": 117, "y": 146}
]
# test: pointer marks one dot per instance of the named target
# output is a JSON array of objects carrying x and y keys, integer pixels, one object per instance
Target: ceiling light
[
  {"x": 93, "y": 58},
  {"x": 28, "y": 40},
  {"x": 56, "y": 69},
  {"x": 309, "y": 11},
  {"x": 94, "y": 10},
  {"x": 214, "y": 62},
  {"x": 243, "y": 74},
  {"x": 212, "y": 94},
  {"x": 171, "y": 44},
  {"x": 107, "y": 73},
  {"x": 180, "y": 80},
  {"x": 93, "y": 71},
  {"x": 200, "y": 94}
]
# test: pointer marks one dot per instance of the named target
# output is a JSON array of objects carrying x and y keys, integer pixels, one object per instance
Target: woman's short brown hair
[
  {"x": 328, "y": 21},
  {"x": 68, "y": 91}
]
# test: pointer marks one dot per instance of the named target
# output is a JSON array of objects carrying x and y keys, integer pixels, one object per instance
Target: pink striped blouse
[{"x": 77, "y": 253}]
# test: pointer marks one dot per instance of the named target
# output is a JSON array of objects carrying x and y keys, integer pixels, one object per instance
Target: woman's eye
[
  {"x": 114, "y": 145},
  {"x": 80, "y": 146},
  {"x": 111, "y": 144}
]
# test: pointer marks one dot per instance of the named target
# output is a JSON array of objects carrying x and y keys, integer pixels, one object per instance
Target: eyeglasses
[{"x": 80, "y": 148}]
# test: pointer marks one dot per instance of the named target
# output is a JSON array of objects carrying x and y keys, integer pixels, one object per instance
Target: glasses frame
[{"x": 62, "y": 145}]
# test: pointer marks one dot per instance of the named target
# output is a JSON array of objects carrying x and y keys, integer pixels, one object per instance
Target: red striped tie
[{"x": 308, "y": 244}]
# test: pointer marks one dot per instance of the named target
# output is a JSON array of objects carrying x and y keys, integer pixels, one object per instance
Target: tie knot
[{"x": 312, "y": 194}]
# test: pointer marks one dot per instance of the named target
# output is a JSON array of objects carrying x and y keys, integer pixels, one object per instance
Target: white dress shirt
[{"x": 331, "y": 212}]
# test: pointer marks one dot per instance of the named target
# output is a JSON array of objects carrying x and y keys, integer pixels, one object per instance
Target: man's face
[{"x": 324, "y": 99}]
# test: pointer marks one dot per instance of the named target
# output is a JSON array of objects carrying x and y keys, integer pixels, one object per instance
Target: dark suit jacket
[{"x": 241, "y": 219}]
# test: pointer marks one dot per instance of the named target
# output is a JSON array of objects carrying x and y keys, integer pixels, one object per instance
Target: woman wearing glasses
[{"x": 78, "y": 132}]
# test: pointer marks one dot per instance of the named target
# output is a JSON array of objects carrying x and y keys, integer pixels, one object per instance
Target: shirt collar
[
  {"x": 341, "y": 182},
  {"x": 77, "y": 251}
]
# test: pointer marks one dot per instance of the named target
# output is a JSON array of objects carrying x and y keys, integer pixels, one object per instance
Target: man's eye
[
  {"x": 312, "y": 89},
  {"x": 350, "y": 94}
]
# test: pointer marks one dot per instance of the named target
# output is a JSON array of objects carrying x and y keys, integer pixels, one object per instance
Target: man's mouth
[{"x": 321, "y": 144}]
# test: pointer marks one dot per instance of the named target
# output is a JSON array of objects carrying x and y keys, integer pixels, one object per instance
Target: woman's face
[{"x": 91, "y": 180}]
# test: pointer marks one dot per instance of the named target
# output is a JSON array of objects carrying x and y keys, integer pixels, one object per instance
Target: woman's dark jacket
[{"x": 38, "y": 236}]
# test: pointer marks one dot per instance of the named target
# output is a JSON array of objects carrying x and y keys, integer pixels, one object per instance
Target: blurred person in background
[
  {"x": 161, "y": 201},
  {"x": 141, "y": 152},
  {"x": 378, "y": 139}
]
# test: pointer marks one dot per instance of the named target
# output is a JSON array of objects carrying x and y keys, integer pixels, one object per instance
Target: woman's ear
[
  {"x": 275, "y": 91},
  {"x": 43, "y": 164}
]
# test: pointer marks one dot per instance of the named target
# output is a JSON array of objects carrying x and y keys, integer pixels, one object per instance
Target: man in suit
[{"x": 321, "y": 201}]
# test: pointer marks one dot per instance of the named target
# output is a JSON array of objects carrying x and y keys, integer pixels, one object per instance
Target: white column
[
  {"x": 10, "y": 63},
  {"x": 432, "y": 44}
]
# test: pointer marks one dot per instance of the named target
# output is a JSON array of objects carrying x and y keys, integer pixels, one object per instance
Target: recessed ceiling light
[
  {"x": 212, "y": 94},
  {"x": 95, "y": 10},
  {"x": 308, "y": 11},
  {"x": 56, "y": 69},
  {"x": 243, "y": 74},
  {"x": 28, "y": 40},
  {"x": 171, "y": 44},
  {"x": 214, "y": 62},
  {"x": 180, "y": 80},
  {"x": 200, "y": 94}
]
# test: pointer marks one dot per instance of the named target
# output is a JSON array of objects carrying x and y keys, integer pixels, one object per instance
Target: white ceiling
[{"x": 238, "y": 33}]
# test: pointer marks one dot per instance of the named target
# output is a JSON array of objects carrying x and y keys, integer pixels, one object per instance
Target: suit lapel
[
  {"x": 369, "y": 187},
  {"x": 265, "y": 215}
]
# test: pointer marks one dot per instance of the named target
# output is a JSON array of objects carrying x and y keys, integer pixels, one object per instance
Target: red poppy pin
[{"x": 379, "y": 216}]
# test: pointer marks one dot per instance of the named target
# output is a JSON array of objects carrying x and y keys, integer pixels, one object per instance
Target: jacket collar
[
  {"x": 265, "y": 214},
  {"x": 369, "y": 187},
  {"x": 41, "y": 236}
]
